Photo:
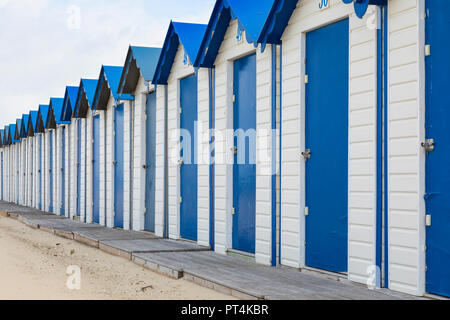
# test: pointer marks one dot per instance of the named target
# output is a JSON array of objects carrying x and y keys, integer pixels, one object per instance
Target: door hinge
[
  {"x": 428, "y": 220},
  {"x": 428, "y": 145},
  {"x": 181, "y": 199},
  {"x": 234, "y": 98},
  {"x": 306, "y": 79},
  {"x": 181, "y": 110},
  {"x": 233, "y": 211},
  {"x": 145, "y": 117},
  {"x": 234, "y": 150},
  {"x": 306, "y": 211},
  {"x": 427, "y": 50}
]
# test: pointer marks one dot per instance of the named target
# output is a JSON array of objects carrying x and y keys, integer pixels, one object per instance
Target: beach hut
[
  {"x": 70, "y": 183},
  {"x": 240, "y": 101},
  {"x": 136, "y": 80},
  {"x": 176, "y": 112},
  {"x": 83, "y": 103},
  {"x": 111, "y": 127}
]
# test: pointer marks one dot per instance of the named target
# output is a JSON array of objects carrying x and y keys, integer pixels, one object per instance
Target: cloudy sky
[{"x": 48, "y": 44}]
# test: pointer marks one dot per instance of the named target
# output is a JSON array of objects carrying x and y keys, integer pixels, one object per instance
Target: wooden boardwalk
[{"x": 228, "y": 274}]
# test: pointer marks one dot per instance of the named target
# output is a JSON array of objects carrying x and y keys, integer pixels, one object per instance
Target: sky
[{"x": 46, "y": 45}]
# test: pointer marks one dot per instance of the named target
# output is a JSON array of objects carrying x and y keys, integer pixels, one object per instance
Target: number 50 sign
[{"x": 323, "y": 4}]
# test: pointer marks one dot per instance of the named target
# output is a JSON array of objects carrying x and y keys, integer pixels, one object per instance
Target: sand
[{"x": 33, "y": 265}]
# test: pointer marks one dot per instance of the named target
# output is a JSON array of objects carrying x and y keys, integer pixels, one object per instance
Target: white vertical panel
[
  {"x": 203, "y": 157},
  {"x": 406, "y": 244},
  {"x": 139, "y": 155},
  {"x": 102, "y": 144},
  {"x": 160, "y": 160},
  {"x": 89, "y": 172}
]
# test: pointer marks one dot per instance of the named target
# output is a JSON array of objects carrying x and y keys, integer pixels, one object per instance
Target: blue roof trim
[
  {"x": 86, "y": 90},
  {"x": 277, "y": 21},
  {"x": 252, "y": 16},
  {"x": 108, "y": 83},
  {"x": 190, "y": 36},
  {"x": 145, "y": 59},
  {"x": 70, "y": 98},
  {"x": 362, "y": 5},
  {"x": 1, "y": 137}
]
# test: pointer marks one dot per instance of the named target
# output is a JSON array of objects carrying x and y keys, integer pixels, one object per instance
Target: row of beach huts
[{"x": 308, "y": 134}]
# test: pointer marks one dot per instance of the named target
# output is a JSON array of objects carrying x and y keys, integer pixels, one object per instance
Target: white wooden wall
[
  {"x": 160, "y": 160},
  {"x": 56, "y": 170},
  {"x": 102, "y": 197},
  {"x": 67, "y": 170},
  {"x": 73, "y": 168},
  {"x": 405, "y": 157},
  {"x": 127, "y": 149},
  {"x": 203, "y": 195},
  {"x": 89, "y": 168},
  {"x": 139, "y": 155},
  {"x": 109, "y": 167}
]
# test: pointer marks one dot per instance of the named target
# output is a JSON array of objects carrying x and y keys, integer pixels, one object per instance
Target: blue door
[
  {"x": 150, "y": 163},
  {"x": 40, "y": 172},
  {"x": 78, "y": 168},
  {"x": 326, "y": 125},
  {"x": 437, "y": 127},
  {"x": 244, "y": 168},
  {"x": 50, "y": 171},
  {"x": 63, "y": 171},
  {"x": 118, "y": 166},
  {"x": 188, "y": 169},
  {"x": 96, "y": 169}
]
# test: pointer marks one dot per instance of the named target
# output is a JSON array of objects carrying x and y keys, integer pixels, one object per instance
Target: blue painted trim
[
  {"x": 274, "y": 155},
  {"x": 281, "y": 146},
  {"x": 379, "y": 161},
  {"x": 212, "y": 184},
  {"x": 386, "y": 162}
]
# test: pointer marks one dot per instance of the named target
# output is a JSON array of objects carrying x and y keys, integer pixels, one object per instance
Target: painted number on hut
[{"x": 323, "y": 4}]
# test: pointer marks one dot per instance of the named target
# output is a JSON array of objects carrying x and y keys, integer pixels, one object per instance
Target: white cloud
[{"x": 45, "y": 45}]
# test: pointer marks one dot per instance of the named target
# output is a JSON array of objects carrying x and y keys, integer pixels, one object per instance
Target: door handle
[{"x": 307, "y": 154}]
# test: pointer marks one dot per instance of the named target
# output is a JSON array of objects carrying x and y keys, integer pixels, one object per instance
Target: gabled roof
[
  {"x": 12, "y": 133},
  {"x": 140, "y": 62},
  {"x": 34, "y": 117},
  {"x": 56, "y": 106},
  {"x": 107, "y": 86},
  {"x": 18, "y": 132},
  {"x": 70, "y": 98},
  {"x": 190, "y": 36},
  {"x": 6, "y": 136},
  {"x": 85, "y": 97},
  {"x": 42, "y": 118},
  {"x": 24, "y": 129},
  {"x": 252, "y": 16},
  {"x": 277, "y": 21}
]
